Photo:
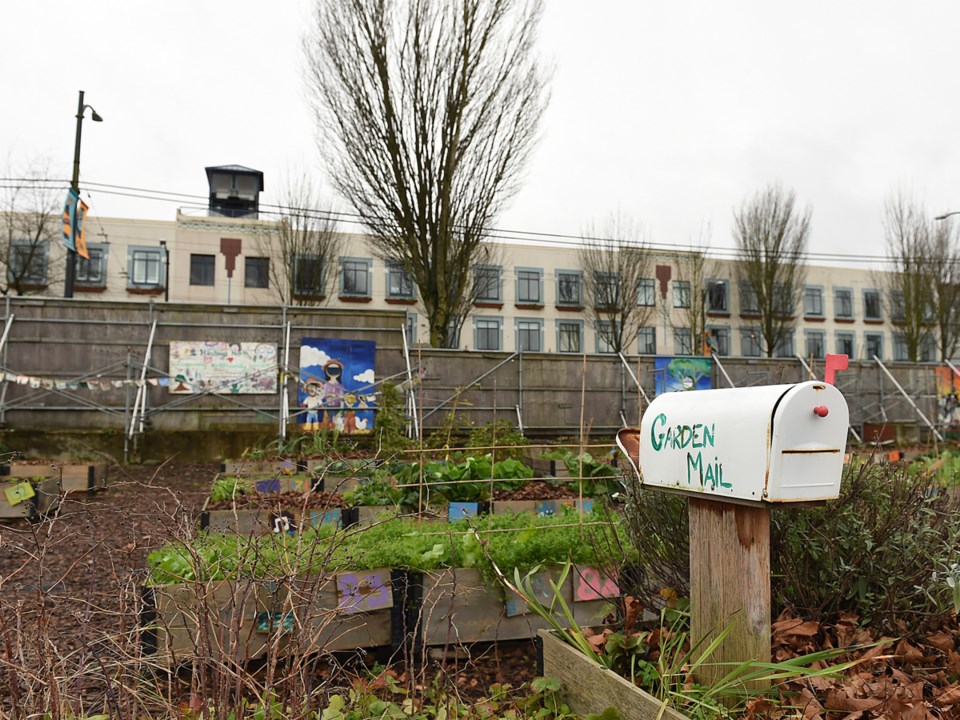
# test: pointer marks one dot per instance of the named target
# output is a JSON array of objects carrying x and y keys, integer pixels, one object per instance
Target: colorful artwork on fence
[
  {"x": 948, "y": 406},
  {"x": 682, "y": 373},
  {"x": 337, "y": 385},
  {"x": 228, "y": 368}
]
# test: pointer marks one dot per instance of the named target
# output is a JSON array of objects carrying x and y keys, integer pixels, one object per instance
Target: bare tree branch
[
  {"x": 771, "y": 234},
  {"x": 615, "y": 259},
  {"x": 427, "y": 112}
]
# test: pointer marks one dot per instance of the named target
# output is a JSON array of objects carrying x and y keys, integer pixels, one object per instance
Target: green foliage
[
  {"x": 599, "y": 478},
  {"x": 473, "y": 479},
  {"x": 871, "y": 552},
  {"x": 228, "y": 487},
  {"x": 501, "y": 434},
  {"x": 400, "y": 543},
  {"x": 391, "y": 424},
  {"x": 943, "y": 468},
  {"x": 379, "y": 491}
]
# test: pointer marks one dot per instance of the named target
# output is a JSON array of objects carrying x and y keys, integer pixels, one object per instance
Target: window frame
[
  {"x": 843, "y": 335},
  {"x": 560, "y": 332},
  {"x": 836, "y": 303},
  {"x": 300, "y": 289},
  {"x": 601, "y": 284},
  {"x": 491, "y": 274},
  {"x": 357, "y": 267},
  {"x": 647, "y": 292},
  {"x": 810, "y": 335},
  {"x": 158, "y": 253},
  {"x": 682, "y": 341},
  {"x": 535, "y": 324},
  {"x": 746, "y": 290},
  {"x": 490, "y": 323},
  {"x": 104, "y": 252},
  {"x": 813, "y": 313},
  {"x": 644, "y": 348},
  {"x": 202, "y": 264},
  {"x": 536, "y": 277},
  {"x": 750, "y": 337},
  {"x": 682, "y": 288},
  {"x": 711, "y": 285},
  {"x": 878, "y": 298},
  {"x": 262, "y": 272},
  {"x": 604, "y": 347},
  {"x": 873, "y": 335},
  {"x": 713, "y": 331},
  {"x": 560, "y": 277},
  {"x": 403, "y": 289}
]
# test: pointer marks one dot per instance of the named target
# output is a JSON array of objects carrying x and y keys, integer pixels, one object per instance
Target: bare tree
[
  {"x": 945, "y": 266},
  {"x": 615, "y": 260},
  {"x": 427, "y": 112},
  {"x": 692, "y": 293},
  {"x": 909, "y": 283},
  {"x": 301, "y": 247},
  {"x": 771, "y": 234},
  {"x": 31, "y": 222}
]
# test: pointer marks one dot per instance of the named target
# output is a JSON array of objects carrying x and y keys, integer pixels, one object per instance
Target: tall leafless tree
[
  {"x": 909, "y": 284},
  {"x": 945, "y": 256},
  {"x": 301, "y": 247},
  {"x": 771, "y": 235},
  {"x": 427, "y": 112},
  {"x": 694, "y": 272},
  {"x": 615, "y": 258},
  {"x": 31, "y": 223}
]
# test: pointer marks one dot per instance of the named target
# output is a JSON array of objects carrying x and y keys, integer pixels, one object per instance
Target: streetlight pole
[{"x": 75, "y": 186}]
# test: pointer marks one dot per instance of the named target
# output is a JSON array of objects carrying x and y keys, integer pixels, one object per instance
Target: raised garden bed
[
  {"x": 73, "y": 477},
  {"x": 29, "y": 498},
  {"x": 590, "y": 689}
]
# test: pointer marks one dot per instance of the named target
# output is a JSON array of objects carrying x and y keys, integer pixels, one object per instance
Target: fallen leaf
[{"x": 941, "y": 641}]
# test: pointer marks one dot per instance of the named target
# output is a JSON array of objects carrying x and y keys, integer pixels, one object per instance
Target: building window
[
  {"x": 843, "y": 303},
  {"x": 607, "y": 289},
  {"x": 399, "y": 283},
  {"x": 928, "y": 349},
  {"x": 529, "y": 286},
  {"x": 486, "y": 333},
  {"x": 845, "y": 344},
  {"x": 718, "y": 338},
  {"x": 452, "y": 339},
  {"x": 144, "y": 267},
  {"x": 750, "y": 342},
  {"x": 748, "y": 299},
  {"x": 873, "y": 345},
  {"x": 529, "y": 335},
  {"x": 681, "y": 294},
  {"x": 647, "y": 341},
  {"x": 569, "y": 336},
  {"x": 256, "y": 272},
  {"x": 486, "y": 280},
  {"x": 682, "y": 341},
  {"x": 813, "y": 301},
  {"x": 784, "y": 347},
  {"x": 569, "y": 288},
  {"x": 898, "y": 312},
  {"x": 201, "y": 269},
  {"x": 717, "y": 296},
  {"x": 872, "y": 307},
  {"x": 92, "y": 271},
  {"x": 355, "y": 277},
  {"x": 308, "y": 276},
  {"x": 28, "y": 263},
  {"x": 783, "y": 300},
  {"x": 647, "y": 292},
  {"x": 410, "y": 328},
  {"x": 815, "y": 344},
  {"x": 606, "y": 335},
  {"x": 900, "y": 351}
]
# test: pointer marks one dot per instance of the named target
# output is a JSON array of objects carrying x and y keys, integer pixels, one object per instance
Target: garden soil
[{"x": 70, "y": 585}]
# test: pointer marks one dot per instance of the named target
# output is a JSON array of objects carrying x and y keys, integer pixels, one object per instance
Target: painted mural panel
[
  {"x": 948, "y": 406},
  {"x": 682, "y": 373},
  {"x": 247, "y": 368},
  {"x": 337, "y": 385}
]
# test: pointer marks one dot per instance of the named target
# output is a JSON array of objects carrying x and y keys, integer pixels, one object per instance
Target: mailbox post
[{"x": 735, "y": 452}]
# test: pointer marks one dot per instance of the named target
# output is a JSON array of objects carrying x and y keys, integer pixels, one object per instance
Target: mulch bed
[{"x": 538, "y": 490}]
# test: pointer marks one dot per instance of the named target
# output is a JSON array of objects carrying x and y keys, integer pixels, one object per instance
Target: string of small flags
[{"x": 45, "y": 383}]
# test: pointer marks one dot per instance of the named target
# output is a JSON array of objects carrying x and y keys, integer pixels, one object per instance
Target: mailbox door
[
  {"x": 714, "y": 442},
  {"x": 807, "y": 445}
]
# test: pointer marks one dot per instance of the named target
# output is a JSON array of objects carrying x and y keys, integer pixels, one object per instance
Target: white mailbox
[{"x": 770, "y": 444}]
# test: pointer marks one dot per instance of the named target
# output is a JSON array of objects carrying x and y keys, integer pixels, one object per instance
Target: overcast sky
[{"x": 671, "y": 112}]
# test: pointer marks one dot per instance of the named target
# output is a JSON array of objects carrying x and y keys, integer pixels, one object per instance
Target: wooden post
[{"x": 729, "y": 583}]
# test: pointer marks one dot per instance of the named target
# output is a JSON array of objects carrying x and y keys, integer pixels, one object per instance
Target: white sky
[{"x": 671, "y": 112}]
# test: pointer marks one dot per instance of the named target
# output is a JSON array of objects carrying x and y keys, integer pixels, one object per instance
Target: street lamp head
[{"x": 95, "y": 116}]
